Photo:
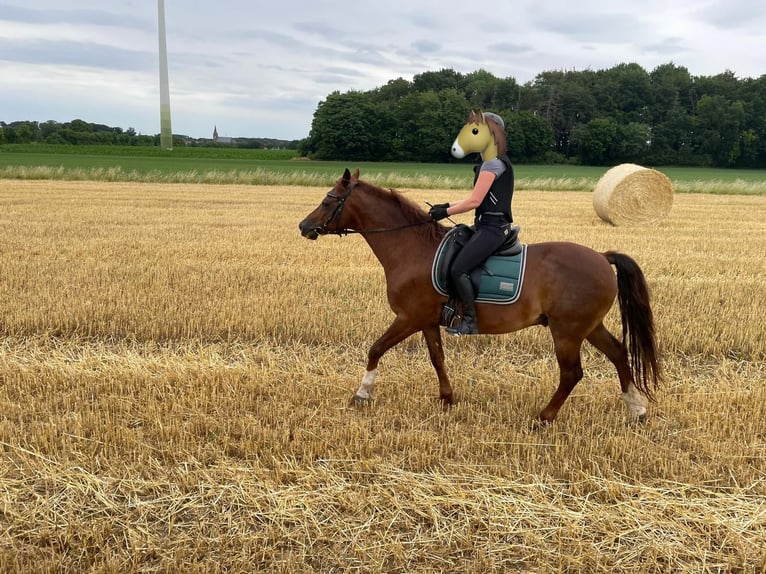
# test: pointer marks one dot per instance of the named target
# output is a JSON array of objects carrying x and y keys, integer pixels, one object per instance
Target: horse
[{"x": 568, "y": 288}]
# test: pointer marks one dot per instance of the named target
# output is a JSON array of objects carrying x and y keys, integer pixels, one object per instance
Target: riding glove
[{"x": 439, "y": 211}]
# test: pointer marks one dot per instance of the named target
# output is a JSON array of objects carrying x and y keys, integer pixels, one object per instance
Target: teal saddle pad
[{"x": 500, "y": 280}]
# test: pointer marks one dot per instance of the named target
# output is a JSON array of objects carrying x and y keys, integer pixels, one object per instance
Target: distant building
[{"x": 222, "y": 139}]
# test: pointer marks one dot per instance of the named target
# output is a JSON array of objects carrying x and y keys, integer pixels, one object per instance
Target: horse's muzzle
[{"x": 309, "y": 230}]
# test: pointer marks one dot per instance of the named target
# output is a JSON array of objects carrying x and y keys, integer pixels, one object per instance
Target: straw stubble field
[{"x": 175, "y": 370}]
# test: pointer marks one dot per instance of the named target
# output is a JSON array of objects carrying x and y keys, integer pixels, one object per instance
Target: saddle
[{"x": 497, "y": 280}]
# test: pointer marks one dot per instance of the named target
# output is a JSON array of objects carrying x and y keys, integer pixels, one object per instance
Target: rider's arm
[{"x": 483, "y": 183}]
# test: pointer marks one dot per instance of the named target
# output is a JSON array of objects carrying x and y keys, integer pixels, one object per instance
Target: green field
[{"x": 271, "y": 167}]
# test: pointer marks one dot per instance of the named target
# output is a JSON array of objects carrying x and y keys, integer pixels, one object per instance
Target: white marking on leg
[
  {"x": 635, "y": 401},
  {"x": 367, "y": 388}
]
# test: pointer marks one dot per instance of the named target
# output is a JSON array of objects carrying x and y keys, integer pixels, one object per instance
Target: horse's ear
[
  {"x": 480, "y": 117},
  {"x": 346, "y": 177},
  {"x": 355, "y": 176}
]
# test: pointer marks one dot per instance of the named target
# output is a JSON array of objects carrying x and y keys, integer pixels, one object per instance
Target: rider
[{"x": 491, "y": 198}]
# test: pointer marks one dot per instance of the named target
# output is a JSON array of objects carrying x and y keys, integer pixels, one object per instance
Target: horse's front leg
[
  {"x": 433, "y": 336},
  {"x": 399, "y": 330}
]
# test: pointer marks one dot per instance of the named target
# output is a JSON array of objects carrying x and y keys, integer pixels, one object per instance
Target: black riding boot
[{"x": 465, "y": 293}]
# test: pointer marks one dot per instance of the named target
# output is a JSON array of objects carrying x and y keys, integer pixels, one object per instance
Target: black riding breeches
[{"x": 482, "y": 244}]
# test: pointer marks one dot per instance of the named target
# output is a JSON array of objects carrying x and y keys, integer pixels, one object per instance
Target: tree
[
  {"x": 753, "y": 97},
  {"x": 445, "y": 78},
  {"x": 56, "y": 138},
  {"x": 624, "y": 93},
  {"x": 538, "y": 136},
  {"x": 672, "y": 87},
  {"x": 48, "y": 128},
  {"x": 26, "y": 132},
  {"x": 348, "y": 126},
  {"x": 674, "y": 141},
  {"x": 725, "y": 85},
  {"x": 489, "y": 93},
  {"x": 632, "y": 142},
  {"x": 596, "y": 141},
  {"x": 566, "y": 101},
  {"x": 749, "y": 148},
  {"x": 720, "y": 120},
  {"x": 80, "y": 126},
  {"x": 515, "y": 137},
  {"x": 427, "y": 123},
  {"x": 530, "y": 137},
  {"x": 392, "y": 92}
]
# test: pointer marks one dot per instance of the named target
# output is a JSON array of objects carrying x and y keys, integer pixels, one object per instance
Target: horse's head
[
  {"x": 328, "y": 217},
  {"x": 482, "y": 133}
]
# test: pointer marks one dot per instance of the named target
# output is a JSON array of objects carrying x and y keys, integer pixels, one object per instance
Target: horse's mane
[{"x": 412, "y": 212}]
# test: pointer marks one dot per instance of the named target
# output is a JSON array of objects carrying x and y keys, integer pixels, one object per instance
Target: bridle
[{"x": 339, "y": 209}]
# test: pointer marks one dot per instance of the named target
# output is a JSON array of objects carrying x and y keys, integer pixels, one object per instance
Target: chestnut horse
[{"x": 567, "y": 287}]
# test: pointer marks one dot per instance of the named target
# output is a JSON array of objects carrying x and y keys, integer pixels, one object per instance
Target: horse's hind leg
[
  {"x": 570, "y": 373},
  {"x": 397, "y": 332},
  {"x": 615, "y": 351},
  {"x": 433, "y": 337}
]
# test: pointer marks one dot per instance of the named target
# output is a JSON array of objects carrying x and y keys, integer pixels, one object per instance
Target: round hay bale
[{"x": 629, "y": 194}]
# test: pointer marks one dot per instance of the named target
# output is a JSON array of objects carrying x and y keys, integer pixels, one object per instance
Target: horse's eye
[
  {"x": 325, "y": 203},
  {"x": 475, "y": 131}
]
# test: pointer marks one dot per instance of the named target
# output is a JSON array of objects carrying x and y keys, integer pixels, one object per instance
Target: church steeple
[{"x": 215, "y": 133}]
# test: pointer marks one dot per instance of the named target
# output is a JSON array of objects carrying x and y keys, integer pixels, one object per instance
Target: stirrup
[{"x": 463, "y": 328}]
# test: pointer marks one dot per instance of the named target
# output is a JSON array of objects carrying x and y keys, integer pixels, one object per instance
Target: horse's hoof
[
  {"x": 446, "y": 404},
  {"x": 359, "y": 402},
  {"x": 539, "y": 423}
]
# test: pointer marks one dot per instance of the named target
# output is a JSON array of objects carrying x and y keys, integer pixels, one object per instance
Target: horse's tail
[{"x": 637, "y": 323}]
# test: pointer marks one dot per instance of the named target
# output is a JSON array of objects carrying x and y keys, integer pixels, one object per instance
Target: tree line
[
  {"x": 604, "y": 117},
  {"x": 80, "y": 132}
]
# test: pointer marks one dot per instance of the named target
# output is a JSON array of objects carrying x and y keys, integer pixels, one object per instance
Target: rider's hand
[{"x": 439, "y": 211}]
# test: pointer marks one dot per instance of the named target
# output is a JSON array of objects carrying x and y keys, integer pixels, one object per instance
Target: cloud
[
  {"x": 512, "y": 48},
  {"x": 61, "y": 52},
  {"x": 592, "y": 27},
  {"x": 426, "y": 46},
  {"x": 75, "y": 17},
  {"x": 733, "y": 15},
  {"x": 671, "y": 47},
  {"x": 320, "y": 29}
]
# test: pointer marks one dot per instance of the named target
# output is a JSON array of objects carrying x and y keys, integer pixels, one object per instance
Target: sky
[{"x": 259, "y": 68}]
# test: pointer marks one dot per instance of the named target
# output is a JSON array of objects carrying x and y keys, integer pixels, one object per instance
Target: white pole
[{"x": 166, "y": 132}]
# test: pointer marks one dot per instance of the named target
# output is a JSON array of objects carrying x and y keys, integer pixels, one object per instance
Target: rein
[
  {"x": 342, "y": 232},
  {"x": 339, "y": 208}
]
